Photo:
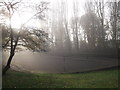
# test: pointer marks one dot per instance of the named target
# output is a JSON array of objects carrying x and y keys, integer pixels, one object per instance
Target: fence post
[{"x": 64, "y": 63}]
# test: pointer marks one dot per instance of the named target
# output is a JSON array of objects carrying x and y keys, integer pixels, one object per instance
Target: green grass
[{"x": 96, "y": 79}]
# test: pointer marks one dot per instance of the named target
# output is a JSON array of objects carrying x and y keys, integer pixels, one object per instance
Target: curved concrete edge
[{"x": 100, "y": 69}]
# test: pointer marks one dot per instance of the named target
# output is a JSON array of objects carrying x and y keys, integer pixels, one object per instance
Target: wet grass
[{"x": 96, "y": 79}]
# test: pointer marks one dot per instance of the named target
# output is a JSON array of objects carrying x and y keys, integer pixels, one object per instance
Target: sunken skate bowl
[{"x": 46, "y": 63}]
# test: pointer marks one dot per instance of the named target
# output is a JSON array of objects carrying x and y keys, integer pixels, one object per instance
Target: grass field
[{"x": 96, "y": 79}]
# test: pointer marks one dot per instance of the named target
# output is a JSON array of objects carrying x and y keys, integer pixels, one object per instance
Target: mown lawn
[{"x": 96, "y": 79}]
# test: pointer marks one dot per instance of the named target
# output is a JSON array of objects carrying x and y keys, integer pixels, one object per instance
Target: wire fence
[{"x": 62, "y": 64}]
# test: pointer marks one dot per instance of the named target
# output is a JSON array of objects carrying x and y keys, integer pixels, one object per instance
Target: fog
[
  {"x": 47, "y": 63},
  {"x": 75, "y": 36}
]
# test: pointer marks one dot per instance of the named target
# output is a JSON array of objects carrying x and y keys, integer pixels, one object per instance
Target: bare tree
[
  {"x": 75, "y": 25},
  {"x": 34, "y": 40},
  {"x": 10, "y": 6},
  {"x": 114, "y": 20},
  {"x": 67, "y": 41}
]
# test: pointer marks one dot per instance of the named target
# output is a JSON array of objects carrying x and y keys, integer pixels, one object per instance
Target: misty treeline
[
  {"x": 98, "y": 28},
  {"x": 72, "y": 27}
]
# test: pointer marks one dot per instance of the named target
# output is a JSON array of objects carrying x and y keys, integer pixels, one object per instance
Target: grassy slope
[{"x": 97, "y": 79}]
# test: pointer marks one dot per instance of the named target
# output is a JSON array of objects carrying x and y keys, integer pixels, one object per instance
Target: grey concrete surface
[{"x": 45, "y": 63}]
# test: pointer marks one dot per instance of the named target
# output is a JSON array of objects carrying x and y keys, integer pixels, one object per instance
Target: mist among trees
[
  {"x": 75, "y": 27},
  {"x": 64, "y": 27}
]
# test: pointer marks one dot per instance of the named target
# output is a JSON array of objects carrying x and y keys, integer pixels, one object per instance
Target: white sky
[{"x": 22, "y": 17}]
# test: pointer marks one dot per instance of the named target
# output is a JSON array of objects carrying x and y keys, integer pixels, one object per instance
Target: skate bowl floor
[{"x": 46, "y": 63}]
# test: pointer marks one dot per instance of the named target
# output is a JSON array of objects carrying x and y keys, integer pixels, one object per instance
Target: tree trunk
[
  {"x": 8, "y": 64},
  {"x": 10, "y": 57},
  {"x": 11, "y": 50}
]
